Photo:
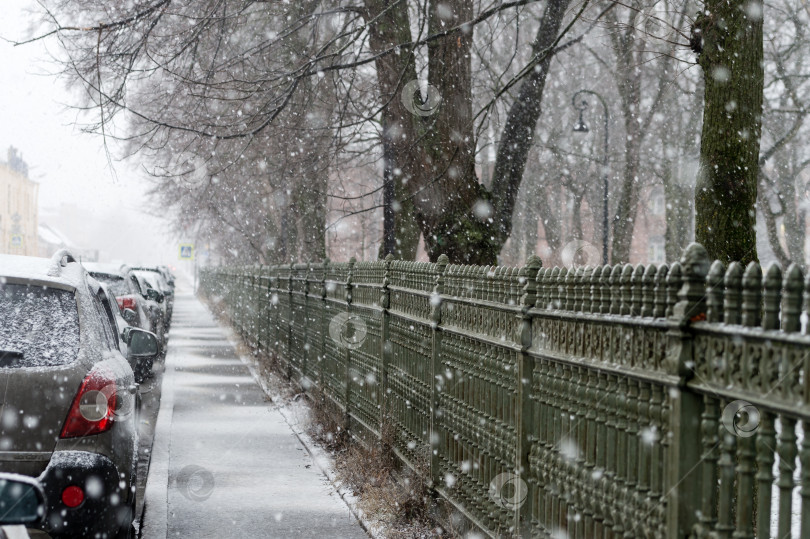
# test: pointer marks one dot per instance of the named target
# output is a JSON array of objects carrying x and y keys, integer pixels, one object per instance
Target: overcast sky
[{"x": 70, "y": 166}]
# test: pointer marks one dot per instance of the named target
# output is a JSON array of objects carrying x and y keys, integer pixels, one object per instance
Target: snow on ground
[{"x": 225, "y": 462}]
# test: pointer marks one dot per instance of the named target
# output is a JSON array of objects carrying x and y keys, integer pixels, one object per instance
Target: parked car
[
  {"x": 152, "y": 280},
  {"x": 141, "y": 366},
  {"x": 69, "y": 395},
  {"x": 167, "y": 274},
  {"x": 127, "y": 296},
  {"x": 156, "y": 280},
  {"x": 153, "y": 304}
]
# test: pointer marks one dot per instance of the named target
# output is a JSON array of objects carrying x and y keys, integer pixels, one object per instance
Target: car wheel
[
  {"x": 127, "y": 530},
  {"x": 161, "y": 337}
]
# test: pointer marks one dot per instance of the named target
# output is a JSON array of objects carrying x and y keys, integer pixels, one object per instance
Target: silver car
[{"x": 69, "y": 395}]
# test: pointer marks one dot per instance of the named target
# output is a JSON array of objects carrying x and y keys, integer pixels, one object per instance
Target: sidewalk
[{"x": 224, "y": 461}]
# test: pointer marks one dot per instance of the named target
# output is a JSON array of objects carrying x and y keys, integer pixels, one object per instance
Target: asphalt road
[{"x": 224, "y": 463}]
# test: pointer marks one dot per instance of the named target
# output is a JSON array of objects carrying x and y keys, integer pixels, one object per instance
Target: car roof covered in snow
[
  {"x": 60, "y": 269},
  {"x": 104, "y": 267}
]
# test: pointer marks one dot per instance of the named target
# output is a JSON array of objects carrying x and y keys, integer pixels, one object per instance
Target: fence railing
[{"x": 616, "y": 401}]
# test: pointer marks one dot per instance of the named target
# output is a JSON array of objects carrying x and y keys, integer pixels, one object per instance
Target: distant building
[
  {"x": 52, "y": 239},
  {"x": 19, "y": 200}
]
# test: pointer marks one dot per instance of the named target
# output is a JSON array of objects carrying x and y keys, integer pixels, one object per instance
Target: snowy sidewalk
[{"x": 224, "y": 461}]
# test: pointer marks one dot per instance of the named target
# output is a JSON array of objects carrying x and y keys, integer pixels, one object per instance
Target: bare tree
[{"x": 226, "y": 69}]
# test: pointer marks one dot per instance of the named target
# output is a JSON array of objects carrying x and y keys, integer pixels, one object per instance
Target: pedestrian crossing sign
[{"x": 186, "y": 251}]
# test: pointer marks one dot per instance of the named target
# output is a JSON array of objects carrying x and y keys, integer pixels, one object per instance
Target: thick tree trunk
[
  {"x": 436, "y": 150},
  {"x": 452, "y": 206},
  {"x": 728, "y": 37},
  {"x": 392, "y": 27},
  {"x": 400, "y": 229}
]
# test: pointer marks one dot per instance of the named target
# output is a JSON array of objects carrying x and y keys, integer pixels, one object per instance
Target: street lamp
[{"x": 582, "y": 127}]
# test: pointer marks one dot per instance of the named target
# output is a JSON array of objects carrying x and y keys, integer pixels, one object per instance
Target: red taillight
[
  {"x": 72, "y": 496},
  {"x": 127, "y": 302},
  {"x": 93, "y": 408}
]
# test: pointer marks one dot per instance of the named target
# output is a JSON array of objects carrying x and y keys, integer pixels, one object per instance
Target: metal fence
[{"x": 615, "y": 401}]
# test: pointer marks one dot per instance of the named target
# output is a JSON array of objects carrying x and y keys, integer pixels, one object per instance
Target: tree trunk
[
  {"x": 400, "y": 230},
  {"x": 518, "y": 133},
  {"x": 678, "y": 216},
  {"x": 392, "y": 27},
  {"x": 452, "y": 206},
  {"x": 678, "y": 192},
  {"x": 772, "y": 233},
  {"x": 628, "y": 79},
  {"x": 549, "y": 205},
  {"x": 728, "y": 37},
  {"x": 309, "y": 198},
  {"x": 435, "y": 149}
]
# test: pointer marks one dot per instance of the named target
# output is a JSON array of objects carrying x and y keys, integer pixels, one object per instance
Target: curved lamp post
[{"x": 582, "y": 127}]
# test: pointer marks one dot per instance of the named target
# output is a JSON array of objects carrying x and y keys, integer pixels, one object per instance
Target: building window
[{"x": 657, "y": 250}]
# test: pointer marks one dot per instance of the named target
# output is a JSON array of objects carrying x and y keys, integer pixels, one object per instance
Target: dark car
[{"x": 69, "y": 395}]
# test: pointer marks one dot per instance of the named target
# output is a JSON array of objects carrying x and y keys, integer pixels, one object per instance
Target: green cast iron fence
[{"x": 616, "y": 401}]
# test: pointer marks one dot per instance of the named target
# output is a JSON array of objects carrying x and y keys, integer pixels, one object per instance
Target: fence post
[
  {"x": 524, "y": 421},
  {"x": 346, "y": 351},
  {"x": 385, "y": 352},
  {"x": 305, "y": 352},
  {"x": 266, "y": 312},
  {"x": 324, "y": 327},
  {"x": 684, "y": 471},
  {"x": 435, "y": 366},
  {"x": 254, "y": 307},
  {"x": 290, "y": 317},
  {"x": 274, "y": 302}
]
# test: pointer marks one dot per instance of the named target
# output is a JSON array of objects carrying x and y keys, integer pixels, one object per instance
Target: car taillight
[
  {"x": 126, "y": 302},
  {"x": 93, "y": 408}
]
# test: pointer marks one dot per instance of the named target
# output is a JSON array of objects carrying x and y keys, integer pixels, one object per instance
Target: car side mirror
[
  {"x": 154, "y": 295},
  {"x": 129, "y": 315},
  {"x": 141, "y": 343},
  {"x": 22, "y": 500}
]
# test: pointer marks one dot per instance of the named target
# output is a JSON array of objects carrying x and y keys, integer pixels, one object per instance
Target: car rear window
[
  {"x": 39, "y": 326},
  {"x": 117, "y": 284},
  {"x": 149, "y": 278}
]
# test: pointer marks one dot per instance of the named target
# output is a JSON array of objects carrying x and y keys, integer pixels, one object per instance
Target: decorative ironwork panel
[
  {"x": 409, "y": 387},
  {"x": 364, "y": 347}
]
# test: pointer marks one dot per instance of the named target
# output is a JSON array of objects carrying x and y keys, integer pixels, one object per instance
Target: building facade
[{"x": 19, "y": 201}]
